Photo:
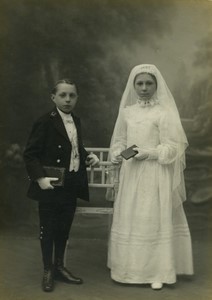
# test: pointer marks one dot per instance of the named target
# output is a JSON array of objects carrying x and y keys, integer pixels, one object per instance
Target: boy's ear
[{"x": 52, "y": 97}]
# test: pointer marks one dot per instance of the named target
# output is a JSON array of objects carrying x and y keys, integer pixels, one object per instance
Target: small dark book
[
  {"x": 129, "y": 152},
  {"x": 57, "y": 173}
]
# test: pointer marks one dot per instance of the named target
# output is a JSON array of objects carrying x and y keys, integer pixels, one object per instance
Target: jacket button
[
  {"x": 59, "y": 146},
  {"x": 58, "y": 161}
]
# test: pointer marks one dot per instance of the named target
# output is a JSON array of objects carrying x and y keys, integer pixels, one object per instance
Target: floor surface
[{"x": 21, "y": 268}]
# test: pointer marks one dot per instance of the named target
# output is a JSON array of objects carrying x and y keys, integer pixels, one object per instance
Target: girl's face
[
  {"x": 145, "y": 86},
  {"x": 65, "y": 97}
]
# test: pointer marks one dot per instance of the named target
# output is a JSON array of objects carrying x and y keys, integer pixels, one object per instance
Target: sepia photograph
[{"x": 106, "y": 149}]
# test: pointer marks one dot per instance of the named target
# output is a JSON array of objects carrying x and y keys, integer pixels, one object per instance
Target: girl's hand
[
  {"x": 142, "y": 154},
  {"x": 116, "y": 157}
]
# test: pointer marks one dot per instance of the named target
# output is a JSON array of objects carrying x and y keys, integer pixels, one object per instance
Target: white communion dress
[{"x": 150, "y": 239}]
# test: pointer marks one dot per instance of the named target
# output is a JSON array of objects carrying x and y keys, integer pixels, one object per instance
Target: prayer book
[
  {"x": 129, "y": 152},
  {"x": 57, "y": 173}
]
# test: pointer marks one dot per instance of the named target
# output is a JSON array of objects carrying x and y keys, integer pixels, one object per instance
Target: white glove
[
  {"x": 116, "y": 157},
  {"x": 146, "y": 154},
  {"x": 142, "y": 154},
  {"x": 92, "y": 160},
  {"x": 45, "y": 182}
]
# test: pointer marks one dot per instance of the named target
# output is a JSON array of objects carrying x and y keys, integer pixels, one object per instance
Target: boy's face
[{"x": 65, "y": 97}]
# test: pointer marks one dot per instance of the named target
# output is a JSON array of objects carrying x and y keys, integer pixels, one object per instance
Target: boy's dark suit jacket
[{"x": 49, "y": 145}]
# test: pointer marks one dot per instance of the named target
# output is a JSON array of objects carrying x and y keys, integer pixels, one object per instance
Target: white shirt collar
[{"x": 64, "y": 116}]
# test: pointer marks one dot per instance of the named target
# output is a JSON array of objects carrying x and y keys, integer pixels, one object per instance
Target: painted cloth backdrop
[{"x": 97, "y": 43}]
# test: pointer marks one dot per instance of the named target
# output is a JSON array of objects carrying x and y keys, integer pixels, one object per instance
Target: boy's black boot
[
  {"x": 48, "y": 280},
  {"x": 62, "y": 274}
]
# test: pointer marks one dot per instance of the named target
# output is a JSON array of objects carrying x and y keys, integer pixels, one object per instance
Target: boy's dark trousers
[
  {"x": 56, "y": 217},
  {"x": 55, "y": 223}
]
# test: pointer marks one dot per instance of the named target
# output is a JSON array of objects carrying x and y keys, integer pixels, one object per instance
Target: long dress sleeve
[
  {"x": 120, "y": 137},
  {"x": 166, "y": 151}
]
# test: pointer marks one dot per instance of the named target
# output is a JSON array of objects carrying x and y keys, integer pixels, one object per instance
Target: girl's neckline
[{"x": 147, "y": 103}]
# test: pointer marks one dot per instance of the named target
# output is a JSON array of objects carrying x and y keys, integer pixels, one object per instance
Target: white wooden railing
[{"x": 98, "y": 178}]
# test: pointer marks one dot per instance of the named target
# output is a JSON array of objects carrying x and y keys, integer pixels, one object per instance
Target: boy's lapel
[{"x": 58, "y": 123}]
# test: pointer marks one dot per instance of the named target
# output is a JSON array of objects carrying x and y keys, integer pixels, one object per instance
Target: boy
[{"x": 55, "y": 141}]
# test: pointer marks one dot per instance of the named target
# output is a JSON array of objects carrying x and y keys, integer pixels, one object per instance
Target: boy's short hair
[{"x": 64, "y": 80}]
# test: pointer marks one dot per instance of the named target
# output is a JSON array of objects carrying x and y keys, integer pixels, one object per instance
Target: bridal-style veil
[{"x": 174, "y": 130}]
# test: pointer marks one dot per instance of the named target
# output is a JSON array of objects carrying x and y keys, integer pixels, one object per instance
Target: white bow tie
[{"x": 68, "y": 119}]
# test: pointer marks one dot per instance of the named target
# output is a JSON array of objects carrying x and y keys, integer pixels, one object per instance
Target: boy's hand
[
  {"x": 92, "y": 160},
  {"x": 45, "y": 183}
]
